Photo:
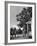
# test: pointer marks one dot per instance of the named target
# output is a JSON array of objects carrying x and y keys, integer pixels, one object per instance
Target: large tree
[{"x": 24, "y": 16}]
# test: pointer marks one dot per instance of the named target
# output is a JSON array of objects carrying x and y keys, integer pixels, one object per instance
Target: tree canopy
[{"x": 24, "y": 16}]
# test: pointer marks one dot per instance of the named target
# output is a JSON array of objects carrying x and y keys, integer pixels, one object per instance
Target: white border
[{"x": 24, "y": 40}]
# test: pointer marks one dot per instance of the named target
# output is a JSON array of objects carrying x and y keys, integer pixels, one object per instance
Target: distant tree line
[{"x": 14, "y": 32}]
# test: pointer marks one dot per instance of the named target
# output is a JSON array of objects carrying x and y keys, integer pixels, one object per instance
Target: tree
[
  {"x": 24, "y": 16},
  {"x": 13, "y": 33}
]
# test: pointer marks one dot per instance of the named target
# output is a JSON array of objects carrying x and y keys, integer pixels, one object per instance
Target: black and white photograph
[{"x": 20, "y": 22}]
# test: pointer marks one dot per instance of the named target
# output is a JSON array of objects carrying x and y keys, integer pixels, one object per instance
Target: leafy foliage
[{"x": 24, "y": 16}]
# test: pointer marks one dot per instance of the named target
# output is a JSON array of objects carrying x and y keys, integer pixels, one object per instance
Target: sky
[{"x": 14, "y": 10}]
